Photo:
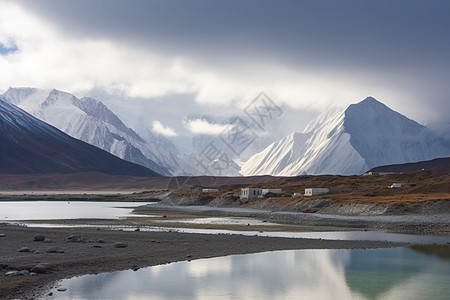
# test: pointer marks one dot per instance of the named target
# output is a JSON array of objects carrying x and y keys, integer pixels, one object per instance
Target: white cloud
[
  {"x": 159, "y": 128},
  {"x": 200, "y": 126},
  {"x": 49, "y": 58}
]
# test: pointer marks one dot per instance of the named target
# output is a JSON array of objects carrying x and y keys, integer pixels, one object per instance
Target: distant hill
[
  {"x": 30, "y": 146},
  {"x": 440, "y": 165}
]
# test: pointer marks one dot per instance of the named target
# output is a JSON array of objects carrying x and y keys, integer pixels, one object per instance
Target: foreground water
[
  {"x": 51, "y": 210},
  {"x": 397, "y": 273}
]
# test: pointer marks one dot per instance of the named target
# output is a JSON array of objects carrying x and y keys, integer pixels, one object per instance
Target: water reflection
[{"x": 399, "y": 273}]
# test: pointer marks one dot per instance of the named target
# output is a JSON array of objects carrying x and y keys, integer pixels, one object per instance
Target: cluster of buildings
[{"x": 251, "y": 193}]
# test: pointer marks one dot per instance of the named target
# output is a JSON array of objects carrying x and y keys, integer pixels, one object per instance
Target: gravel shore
[
  {"x": 50, "y": 254},
  {"x": 437, "y": 224}
]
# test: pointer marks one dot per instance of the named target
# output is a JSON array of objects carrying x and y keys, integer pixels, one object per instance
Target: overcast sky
[{"x": 215, "y": 56}]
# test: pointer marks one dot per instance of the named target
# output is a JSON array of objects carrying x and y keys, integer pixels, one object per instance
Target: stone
[
  {"x": 47, "y": 240},
  {"x": 24, "y": 249},
  {"x": 137, "y": 229},
  {"x": 2, "y": 235},
  {"x": 96, "y": 246},
  {"x": 101, "y": 241},
  {"x": 61, "y": 289},
  {"x": 39, "y": 238},
  {"x": 12, "y": 273},
  {"x": 120, "y": 245},
  {"x": 24, "y": 272},
  {"x": 54, "y": 250},
  {"x": 75, "y": 239},
  {"x": 41, "y": 268}
]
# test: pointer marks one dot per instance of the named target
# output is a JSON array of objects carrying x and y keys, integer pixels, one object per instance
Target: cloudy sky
[{"x": 155, "y": 62}]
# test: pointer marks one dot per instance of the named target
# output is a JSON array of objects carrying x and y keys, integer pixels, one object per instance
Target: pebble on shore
[
  {"x": 120, "y": 245},
  {"x": 39, "y": 238},
  {"x": 41, "y": 268},
  {"x": 55, "y": 250}
]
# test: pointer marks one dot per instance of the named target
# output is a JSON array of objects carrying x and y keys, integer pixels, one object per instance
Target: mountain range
[
  {"x": 91, "y": 121},
  {"x": 363, "y": 136},
  {"x": 29, "y": 145},
  {"x": 346, "y": 142}
]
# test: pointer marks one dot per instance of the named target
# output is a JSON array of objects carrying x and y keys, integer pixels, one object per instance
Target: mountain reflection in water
[{"x": 397, "y": 273}]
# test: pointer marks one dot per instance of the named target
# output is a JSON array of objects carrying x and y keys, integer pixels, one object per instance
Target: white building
[
  {"x": 273, "y": 191},
  {"x": 210, "y": 190},
  {"x": 316, "y": 191},
  {"x": 395, "y": 186},
  {"x": 250, "y": 193}
]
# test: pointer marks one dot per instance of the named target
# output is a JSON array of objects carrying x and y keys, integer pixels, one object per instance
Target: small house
[
  {"x": 316, "y": 191},
  {"x": 297, "y": 195},
  {"x": 196, "y": 189},
  {"x": 250, "y": 193},
  {"x": 272, "y": 191},
  {"x": 395, "y": 186}
]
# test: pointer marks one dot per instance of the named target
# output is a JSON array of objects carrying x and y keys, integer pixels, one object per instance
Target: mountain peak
[
  {"x": 371, "y": 111},
  {"x": 370, "y": 99},
  {"x": 369, "y": 102}
]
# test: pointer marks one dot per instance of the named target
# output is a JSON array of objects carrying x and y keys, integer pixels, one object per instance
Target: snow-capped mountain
[
  {"x": 89, "y": 120},
  {"x": 29, "y": 145},
  {"x": 363, "y": 136}
]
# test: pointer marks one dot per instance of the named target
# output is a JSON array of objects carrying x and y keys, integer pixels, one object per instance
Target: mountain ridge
[{"x": 439, "y": 165}]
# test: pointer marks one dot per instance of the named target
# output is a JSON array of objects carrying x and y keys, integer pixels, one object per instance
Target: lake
[
  {"x": 50, "y": 210},
  {"x": 384, "y": 274}
]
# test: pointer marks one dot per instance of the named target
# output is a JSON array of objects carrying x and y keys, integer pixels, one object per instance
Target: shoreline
[
  {"x": 96, "y": 251},
  {"x": 412, "y": 224},
  {"x": 74, "y": 251}
]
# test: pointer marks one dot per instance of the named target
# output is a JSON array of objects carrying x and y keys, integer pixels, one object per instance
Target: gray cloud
[
  {"x": 399, "y": 45},
  {"x": 334, "y": 32}
]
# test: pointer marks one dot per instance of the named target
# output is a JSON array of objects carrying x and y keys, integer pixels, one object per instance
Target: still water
[
  {"x": 385, "y": 274},
  {"x": 50, "y": 210}
]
